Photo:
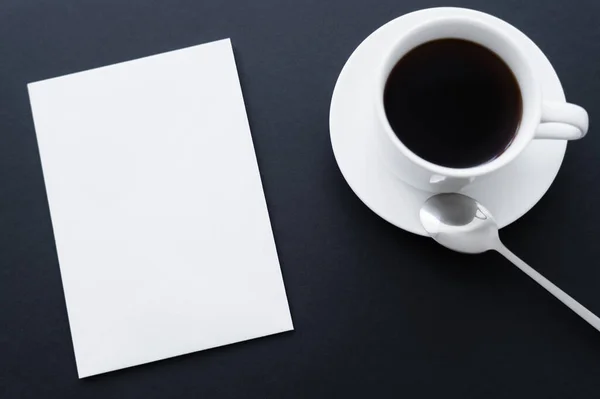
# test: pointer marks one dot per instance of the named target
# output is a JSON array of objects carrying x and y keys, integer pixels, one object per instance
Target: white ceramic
[
  {"x": 540, "y": 119},
  {"x": 508, "y": 193}
]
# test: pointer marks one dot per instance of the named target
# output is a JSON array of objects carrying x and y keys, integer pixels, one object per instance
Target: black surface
[{"x": 378, "y": 312}]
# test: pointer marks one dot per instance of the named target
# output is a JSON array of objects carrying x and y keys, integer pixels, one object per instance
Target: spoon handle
[{"x": 554, "y": 290}]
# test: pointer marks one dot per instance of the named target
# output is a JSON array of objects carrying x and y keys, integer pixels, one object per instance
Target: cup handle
[{"x": 562, "y": 121}]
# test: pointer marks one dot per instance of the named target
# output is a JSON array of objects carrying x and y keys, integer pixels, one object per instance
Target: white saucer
[{"x": 508, "y": 195}]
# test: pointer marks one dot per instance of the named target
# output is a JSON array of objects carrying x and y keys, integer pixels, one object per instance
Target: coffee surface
[{"x": 453, "y": 102}]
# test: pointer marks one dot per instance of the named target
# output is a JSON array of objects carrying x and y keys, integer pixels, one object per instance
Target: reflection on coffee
[{"x": 453, "y": 103}]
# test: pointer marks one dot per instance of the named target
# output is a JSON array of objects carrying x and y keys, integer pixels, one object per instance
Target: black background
[{"x": 378, "y": 312}]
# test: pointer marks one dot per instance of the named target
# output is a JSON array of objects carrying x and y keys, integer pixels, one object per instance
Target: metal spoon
[{"x": 462, "y": 224}]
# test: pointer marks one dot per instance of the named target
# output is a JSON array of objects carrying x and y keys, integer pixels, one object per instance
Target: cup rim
[{"x": 473, "y": 171}]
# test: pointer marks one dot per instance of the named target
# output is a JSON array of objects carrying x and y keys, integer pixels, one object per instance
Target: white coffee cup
[{"x": 540, "y": 119}]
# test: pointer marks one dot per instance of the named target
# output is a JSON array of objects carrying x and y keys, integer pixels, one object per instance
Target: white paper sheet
[{"x": 161, "y": 226}]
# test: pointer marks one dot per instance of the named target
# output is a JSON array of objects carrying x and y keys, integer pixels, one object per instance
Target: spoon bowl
[{"x": 459, "y": 223}]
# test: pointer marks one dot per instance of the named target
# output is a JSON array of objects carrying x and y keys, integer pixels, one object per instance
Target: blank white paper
[{"x": 161, "y": 225}]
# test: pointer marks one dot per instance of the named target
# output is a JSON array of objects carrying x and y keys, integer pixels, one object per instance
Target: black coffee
[{"x": 453, "y": 103}]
